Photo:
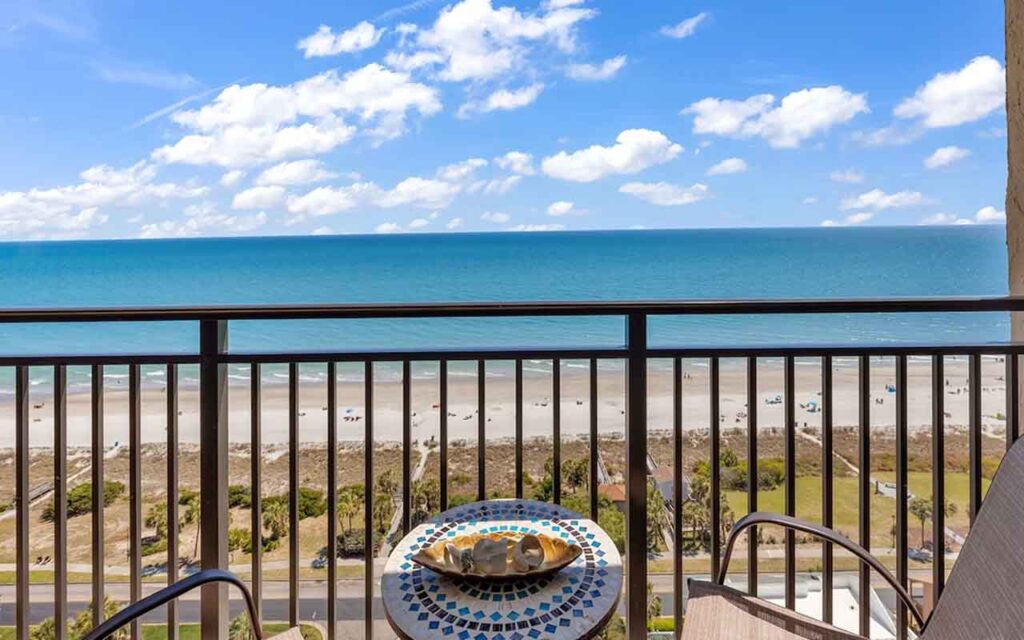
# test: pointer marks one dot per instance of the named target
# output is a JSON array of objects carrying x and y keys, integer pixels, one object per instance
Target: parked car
[{"x": 920, "y": 555}]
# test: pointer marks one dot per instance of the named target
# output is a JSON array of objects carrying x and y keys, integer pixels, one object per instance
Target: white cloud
[
  {"x": 387, "y": 227},
  {"x": 727, "y": 166},
  {"x": 945, "y": 156},
  {"x": 634, "y": 150},
  {"x": 258, "y": 198},
  {"x": 990, "y": 214},
  {"x": 424, "y": 193},
  {"x": 259, "y": 123},
  {"x": 116, "y": 72},
  {"x": 496, "y": 217},
  {"x": 798, "y": 116},
  {"x": 418, "y": 223},
  {"x": 878, "y": 200},
  {"x": 294, "y": 172},
  {"x": 471, "y": 40},
  {"x": 325, "y": 42},
  {"x": 956, "y": 97},
  {"x": 810, "y": 200},
  {"x": 665, "y": 194},
  {"x": 687, "y": 27},
  {"x": 561, "y": 208},
  {"x": 945, "y": 218},
  {"x": 596, "y": 72},
  {"x": 499, "y": 186},
  {"x": 850, "y": 220},
  {"x": 322, "y": 231},
  {"x": 460, "y": 171},
  {"x": 893, "y": 135},
  {"x": 203, "y": 219},
  {"x": 454, "y": 223},
  {"x": 537, "y": 227},
  {"x": 503, "y": 100},
  {"x": 516, "y": 162},
  {"x": 849, "y": 176},
  {"x": 71, "y": 209},
  {"x": 232, "y": 178}
]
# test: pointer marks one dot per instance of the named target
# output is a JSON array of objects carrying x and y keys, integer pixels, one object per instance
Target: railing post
[
  {"x": 636, "y": 478},
  {"x": 213, "y": 480}
]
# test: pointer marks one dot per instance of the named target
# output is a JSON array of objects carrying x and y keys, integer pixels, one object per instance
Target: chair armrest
[
  {"x": 789, "y": 522},
  {"x": 172, "y": 592}
]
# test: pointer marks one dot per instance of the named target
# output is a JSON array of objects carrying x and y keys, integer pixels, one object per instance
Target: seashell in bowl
[{"x": 498, "y": 556}]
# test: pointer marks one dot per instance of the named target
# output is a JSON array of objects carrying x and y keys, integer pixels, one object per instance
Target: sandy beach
[{"x": 537, "y": 404}]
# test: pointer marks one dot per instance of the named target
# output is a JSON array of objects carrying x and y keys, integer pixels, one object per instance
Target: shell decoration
[{"x": 498, "y": 556}]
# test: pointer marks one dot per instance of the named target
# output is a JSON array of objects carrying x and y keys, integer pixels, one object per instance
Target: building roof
[{"x": 614, "y": 492}]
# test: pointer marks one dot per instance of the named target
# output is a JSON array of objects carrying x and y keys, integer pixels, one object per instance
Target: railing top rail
[{"x": 510, "y": 309}]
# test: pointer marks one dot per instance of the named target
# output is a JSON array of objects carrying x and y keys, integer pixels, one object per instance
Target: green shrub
[
  {"x": 239, "y": 497},
  {"x": 80, "y": 499}
]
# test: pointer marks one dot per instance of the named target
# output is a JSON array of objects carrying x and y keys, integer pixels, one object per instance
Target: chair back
[{"x": 984, "y": 596}]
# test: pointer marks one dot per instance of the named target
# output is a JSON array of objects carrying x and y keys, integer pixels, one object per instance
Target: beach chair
[
  {"x": 983, "y": 598},
  {"x": 138, "y": 609}
]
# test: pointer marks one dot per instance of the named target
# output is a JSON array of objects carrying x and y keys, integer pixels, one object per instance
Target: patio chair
[
  {"x": 138, "y": 609},
  {"x": 983, "y": 598}
]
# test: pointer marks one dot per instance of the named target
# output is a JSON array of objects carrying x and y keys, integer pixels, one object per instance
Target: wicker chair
[
  {"x": 983, "y": 598},
  {"x": 138, "y": 609}
]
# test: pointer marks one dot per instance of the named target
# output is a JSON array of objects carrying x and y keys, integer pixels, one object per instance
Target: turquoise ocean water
[{"x": 677, "y": 264}]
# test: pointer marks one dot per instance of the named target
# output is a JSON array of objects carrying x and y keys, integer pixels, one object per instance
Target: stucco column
[{"x": 1015, "y": 153}]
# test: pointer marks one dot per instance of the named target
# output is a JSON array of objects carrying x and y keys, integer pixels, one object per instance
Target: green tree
[
  {"x": 383, "y": 510},
  {"x": 350, "y": 500},
  {"x": 275, "y": 518},
  {"x": 79, "y": 499},
  {"x": 576, "y": 473},
  {"x": 923, "y": 509}
]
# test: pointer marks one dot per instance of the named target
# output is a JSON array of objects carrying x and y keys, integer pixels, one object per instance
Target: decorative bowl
[{"x": 498, "y": 556}]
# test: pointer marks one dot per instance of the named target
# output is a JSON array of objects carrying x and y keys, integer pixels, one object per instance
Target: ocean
[{"x": 601, "y": 265}]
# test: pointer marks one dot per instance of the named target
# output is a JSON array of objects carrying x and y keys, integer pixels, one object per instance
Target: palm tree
[{"x": 275, "y": 517}]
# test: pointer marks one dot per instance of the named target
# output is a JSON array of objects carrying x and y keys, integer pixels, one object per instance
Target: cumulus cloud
[
  {"x": 71, "y": 209},
  {"x": 893, "y": 135},
  {"x": 516, "y": 162},
  {"x": 945, "y": 156},
  {"x": 727, "y": 166},
  {"x": 424, "y": 193},
  {"x": 596, "y": 72},
  {"x": 634, "y": 150},
  {"x": 258, "y": 198},
  {"x": 537, "y": 227},
  {"x": 850, "y": 220},
  {"x": 503, "y": 100},
  {"x": 878, "y": 200},
  {"x": 499, "y": 186},
  {"x": 686, "y": 28},
  {"x": 203, "y": 219},
  {"x": 259, "y": 123},
  {"x": 798, "y": 116},
  {"x": 324, "y": 42},
  {"x": 956, "y": 97},
  {"x": 990, "y": 214},
  {"x": 454, "y": 223},
  {"x": 848, "y": 176},
  {"x": 232, "y": 178},
  {"x": 294, "y": 172},
  {"x": 418, "y": 223},
  {"x": 460, "y": 171},
  {"x": 945, "y": 218},
  {"x": 497, "y": 217},
  {"x": 665, "y": 194},
  {"x": 561, "y": 208},
  {"x": 472, "y": 40}
]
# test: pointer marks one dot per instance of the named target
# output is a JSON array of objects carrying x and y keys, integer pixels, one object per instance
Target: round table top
[{"x": 573, "y": 604}]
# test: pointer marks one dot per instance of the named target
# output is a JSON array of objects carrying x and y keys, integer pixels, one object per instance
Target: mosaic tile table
[{"x": 573, "y": 604}]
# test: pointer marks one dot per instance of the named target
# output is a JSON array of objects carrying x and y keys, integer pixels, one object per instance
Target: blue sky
[{"x": 127, "y": 119}]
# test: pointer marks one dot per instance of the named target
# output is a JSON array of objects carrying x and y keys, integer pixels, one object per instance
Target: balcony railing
[{"x": 633, "y": 360}]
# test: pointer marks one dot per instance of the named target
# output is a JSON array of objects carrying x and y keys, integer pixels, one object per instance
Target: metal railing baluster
[
  {"x": 443, "y": 427},
  {"x": 594, "y": 444},
  {"x": 789, "y": 429},
  {"x": 864, "y": 487},
  {"x": 827, "y": 496},
  {"x": 135, "y": 491},
  {"x": 21, "y": 493},
  {"x": 406, "y": 446},
  {"x": 368, "y": 538},
  {"x": 556, "y": 431},
  {"x": 715, "y": 435},
  {"x": 1012, "y": 398},
  {"x": 519, "y": 429},
  {"x": 97, "y": 477},
  {"x": 974, "y": 434},
  {"x": 172, "y": 495},
  {"x": 213, "y": 464},
  {"x": 60, "y": 501},
  {"x": 752, "y": 483},
  {"x": 481, "y": 429},
  {"x": 938, "y": 478},
  {"x": 636, "y": 478},
  {"x": 293, "y": 494},
  {"x": 256, "y": 480},
  {"x": 901, "y": 489},
  {"x": 332, "y": 500},
  {"x": 677, "y": 496}
]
